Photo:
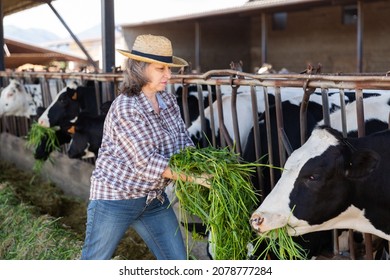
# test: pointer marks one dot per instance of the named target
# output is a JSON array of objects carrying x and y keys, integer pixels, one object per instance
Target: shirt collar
[
  {"x": 146, "y": 104},
  {"x": 161, "y": 102}
]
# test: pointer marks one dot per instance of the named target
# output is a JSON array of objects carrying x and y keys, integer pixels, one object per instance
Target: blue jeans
[{"x": 156, "y": 223}]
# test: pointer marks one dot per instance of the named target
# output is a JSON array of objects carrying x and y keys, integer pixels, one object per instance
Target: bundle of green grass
[
  {"x": 36, "y": 135},
  {"x": 226, "y": 206},
  {"x": 278, "y": 243}
]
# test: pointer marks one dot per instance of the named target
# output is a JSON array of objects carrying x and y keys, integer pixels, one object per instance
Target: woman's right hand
[{"x": 203, "y": 179}]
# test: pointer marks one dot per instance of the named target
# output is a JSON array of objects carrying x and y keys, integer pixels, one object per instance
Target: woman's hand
[{"x": 204, "y": 180}]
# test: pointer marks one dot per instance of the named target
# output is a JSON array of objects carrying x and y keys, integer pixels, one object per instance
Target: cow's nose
[
  {"x": 256, "y": 220},
  {"x": 43, "y": 123}
]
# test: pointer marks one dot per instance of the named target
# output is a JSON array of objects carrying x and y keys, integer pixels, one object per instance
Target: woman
[{"x": 142, "y": 130}]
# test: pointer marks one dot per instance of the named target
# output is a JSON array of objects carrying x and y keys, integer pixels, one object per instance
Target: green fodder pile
[
  {"x": 45, "y": 196},
  {"x": 46, "y": 207},
  {"x": 27, "y": 235},
  {"x": 226, "y": 207},
  {"x": 280, "y": 244}
]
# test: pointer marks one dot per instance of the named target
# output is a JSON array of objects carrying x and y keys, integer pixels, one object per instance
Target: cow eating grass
[
  {"x": 331, "y": 182},
  {"x": 44, "y": 138}
]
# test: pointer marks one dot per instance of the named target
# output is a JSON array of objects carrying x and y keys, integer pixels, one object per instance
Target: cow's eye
[{"x": 314, "y": 177}]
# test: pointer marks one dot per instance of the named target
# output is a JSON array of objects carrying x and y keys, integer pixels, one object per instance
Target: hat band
[{"x": 166, "y": 59}]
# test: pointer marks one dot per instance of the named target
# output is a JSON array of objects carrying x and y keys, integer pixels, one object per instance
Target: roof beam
[{"x": 90, "y": 60}]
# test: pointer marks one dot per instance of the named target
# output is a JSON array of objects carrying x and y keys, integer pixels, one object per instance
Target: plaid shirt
[{"x": 136, "y": 147}]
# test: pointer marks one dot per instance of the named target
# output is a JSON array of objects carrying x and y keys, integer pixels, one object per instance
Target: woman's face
[{"x": 158, "y": 76}]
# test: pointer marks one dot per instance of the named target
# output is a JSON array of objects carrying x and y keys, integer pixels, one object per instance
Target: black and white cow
[
  {"x": 22, "y": 100},
  {"x": 63, "y": 112},
  {"x": 376, "y": 118},
  {"x": 87, "y": 134},
  {"x": 68, "y": 104},
  {"x": 332, "y": 182},
  {"x": 375, "y": 111},
  {"x": 313, "y": 243}
]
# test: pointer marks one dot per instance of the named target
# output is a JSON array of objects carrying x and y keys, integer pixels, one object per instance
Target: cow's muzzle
[{"x": 255, "y": 221}]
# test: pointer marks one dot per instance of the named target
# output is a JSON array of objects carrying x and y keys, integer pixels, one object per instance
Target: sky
[{"x": 81, "y": 15}]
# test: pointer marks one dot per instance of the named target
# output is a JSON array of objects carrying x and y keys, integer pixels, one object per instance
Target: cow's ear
[
  {"x": 362, "y": 164},
  {"x": 18, "y": 86},
  {"x": 71, "y": 93}
]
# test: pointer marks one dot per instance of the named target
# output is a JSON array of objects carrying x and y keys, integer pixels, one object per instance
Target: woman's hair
[{"x": 134, "y": 77}]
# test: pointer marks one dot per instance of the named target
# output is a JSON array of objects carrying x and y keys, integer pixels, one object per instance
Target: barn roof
[
  {"x": 14, "y": 6},
  {"x": 18, "y": 53}
]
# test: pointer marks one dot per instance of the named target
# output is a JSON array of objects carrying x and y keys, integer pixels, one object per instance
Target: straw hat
[{"x": 154, "y": 49}]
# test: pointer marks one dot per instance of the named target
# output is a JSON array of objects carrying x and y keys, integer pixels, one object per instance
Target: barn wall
[
  {"x": 222, "y": 41},
  {"x": 255, "y": 44},
  {"x": 377, "y": 37},
  {"x": 314, "y": 35},
  {"x": 318, "y": 36}
]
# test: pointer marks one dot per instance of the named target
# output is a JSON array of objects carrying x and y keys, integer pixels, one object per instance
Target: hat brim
[{"x": 176, "y": 61}]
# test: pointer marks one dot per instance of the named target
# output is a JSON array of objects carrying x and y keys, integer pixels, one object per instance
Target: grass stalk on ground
[{"x": 27, "y": 235}]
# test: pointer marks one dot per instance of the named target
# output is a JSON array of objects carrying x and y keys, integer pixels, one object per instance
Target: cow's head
[
  {"x": 64, "y": 108},
  {"x": 316, "y": 189},
  {"x": 43, "y": 149}
]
